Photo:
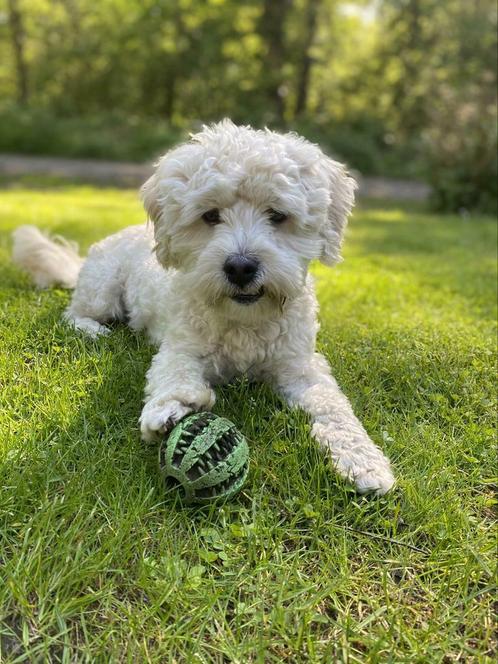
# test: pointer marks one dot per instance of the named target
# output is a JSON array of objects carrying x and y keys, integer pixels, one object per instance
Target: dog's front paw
[
  {"x": 368, "y": 475},
  {"x": 377, "y": 480},
  {"x": 159, "y": 417},
  {"x": 160, "y": 414},
  {"x": 356, "y": 458},
  {"x": 370, "y": 472}
]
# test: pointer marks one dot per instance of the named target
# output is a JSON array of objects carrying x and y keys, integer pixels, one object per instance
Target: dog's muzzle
[{"x": 241, "y": 271}]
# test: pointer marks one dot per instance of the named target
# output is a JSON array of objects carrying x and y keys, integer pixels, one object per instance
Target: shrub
[
  {"x": 366, "y": 145},
  {"x": 462, "y": 152},
  {"x": 103, "y": 136}
]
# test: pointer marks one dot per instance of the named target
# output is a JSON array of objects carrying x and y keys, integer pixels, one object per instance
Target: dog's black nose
[{"x": 240, "y": 270}]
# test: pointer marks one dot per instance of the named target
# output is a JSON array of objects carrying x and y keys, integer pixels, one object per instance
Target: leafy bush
[
  {"x": 366, "y": 145},
  {"x": 103, "y": 136},
  {"x": 462, "y": 153},
  {"x": 360, "y": 143}
]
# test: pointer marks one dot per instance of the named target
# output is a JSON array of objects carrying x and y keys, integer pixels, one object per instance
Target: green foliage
[
  {"x": 98, "y": 566},
  {"x": 361, "y": 142},
  {"x": 377, "y": 82},
  {"x": 462, "y": 152},
  {"x": 103, "y": 136},
  {"x": 441, "y": 60}
]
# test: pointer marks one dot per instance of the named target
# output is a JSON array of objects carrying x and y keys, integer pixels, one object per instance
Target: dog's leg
[
  {"x": 175, "y": 387},
  {"x": 335, "y": 426}
]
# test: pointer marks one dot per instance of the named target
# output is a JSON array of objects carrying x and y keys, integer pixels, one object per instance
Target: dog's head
[{"x": 242, "y": 212}]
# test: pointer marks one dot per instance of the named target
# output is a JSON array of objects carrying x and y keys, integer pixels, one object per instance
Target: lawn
[{"x": 98, "y": 565}]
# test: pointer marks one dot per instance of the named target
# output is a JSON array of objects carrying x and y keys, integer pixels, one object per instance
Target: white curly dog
[{"x": 221, "y": 284}]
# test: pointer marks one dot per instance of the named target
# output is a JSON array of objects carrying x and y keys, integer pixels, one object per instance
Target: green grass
[{"x": 96, "y": 565}]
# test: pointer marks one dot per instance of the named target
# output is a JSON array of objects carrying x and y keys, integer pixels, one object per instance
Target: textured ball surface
[{"x": 206, "y": 457}]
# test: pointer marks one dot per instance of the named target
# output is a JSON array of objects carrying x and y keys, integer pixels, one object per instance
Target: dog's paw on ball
[{"x": 159, "y": 417}]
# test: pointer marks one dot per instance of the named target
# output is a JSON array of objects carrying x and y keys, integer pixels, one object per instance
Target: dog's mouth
[{"x": 248, "y": 298}]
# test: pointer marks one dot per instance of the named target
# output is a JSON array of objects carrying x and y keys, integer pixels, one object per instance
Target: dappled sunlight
[{"x": 82, "y": 213}]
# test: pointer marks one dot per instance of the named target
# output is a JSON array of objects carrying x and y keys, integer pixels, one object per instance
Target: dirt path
[{"x": 127, "y": 174}]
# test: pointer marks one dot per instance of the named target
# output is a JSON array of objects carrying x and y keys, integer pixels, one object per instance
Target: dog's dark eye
[
  {"x": 212, "y": 217},
  {"x": 277, "y": 217}
]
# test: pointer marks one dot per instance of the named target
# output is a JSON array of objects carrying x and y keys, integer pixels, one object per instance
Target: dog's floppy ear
[
  {"x": 341, "y": 188},
  {"x": 151, "y": 194}
]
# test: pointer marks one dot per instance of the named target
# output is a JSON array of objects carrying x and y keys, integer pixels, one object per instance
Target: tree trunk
[
  {"x": 18, "y": 36},
  {"x": 271, "y": 29},
  {"x": 307, "y": 61},
  {"x": 410, "y": 104},
  {"x": 173, "y": 67}
]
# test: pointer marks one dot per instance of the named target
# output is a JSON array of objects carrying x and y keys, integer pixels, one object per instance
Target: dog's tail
[{"x": 50, "y": 261}]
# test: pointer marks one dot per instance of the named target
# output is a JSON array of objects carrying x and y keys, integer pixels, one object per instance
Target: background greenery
[
  {"x": 97, "y": 565},
  {"x": 394, "y": 87}
]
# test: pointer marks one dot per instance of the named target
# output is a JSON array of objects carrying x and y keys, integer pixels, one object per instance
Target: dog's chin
[
  {"x": 258, "y": 302},
  {"x": 253, "y": 307},
  {"x": 246, "y": 299}
]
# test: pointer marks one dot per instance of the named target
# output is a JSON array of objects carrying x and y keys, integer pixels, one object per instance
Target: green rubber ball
[{"x": 205, "y": 457}]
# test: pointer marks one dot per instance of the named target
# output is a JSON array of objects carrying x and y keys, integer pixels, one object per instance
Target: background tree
[
  {"x": 16, "y": 22},
  {"x": 397, "y": 87},
  {"x": 272, "y": 30},
  {"x": 303, "y": 81}
]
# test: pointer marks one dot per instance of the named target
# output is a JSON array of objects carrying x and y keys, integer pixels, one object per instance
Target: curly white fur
[{"x": 169, "y": 280}]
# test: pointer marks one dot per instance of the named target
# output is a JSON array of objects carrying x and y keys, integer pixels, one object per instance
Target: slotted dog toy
[{"x": 206, "y": 457}]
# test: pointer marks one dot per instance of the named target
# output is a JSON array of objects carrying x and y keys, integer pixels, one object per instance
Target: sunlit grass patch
[{"x": 97, "y": 566}]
